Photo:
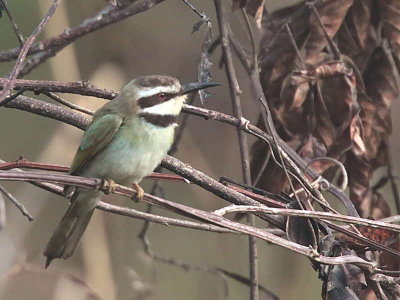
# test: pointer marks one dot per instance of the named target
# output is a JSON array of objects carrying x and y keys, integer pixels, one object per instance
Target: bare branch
[
  {"x": 191, "y": 212},
  {"x": 78, "y": 120},
  {"x": 68, "y": 104},
  {"x": 23, "y": 163},
  {"x": 243, "y": 145},
  {"x": 3, "y": 4},
  {"x": 307, "y": 214},
  {"x": 17, "y": 203},
  {"x": 24, "y": 51},
  {"x": 83, "y": 88},
  {"x": 104, "y": 18}
]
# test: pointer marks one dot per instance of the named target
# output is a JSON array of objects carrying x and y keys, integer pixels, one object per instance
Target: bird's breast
[{"x": 134, "y": 152}]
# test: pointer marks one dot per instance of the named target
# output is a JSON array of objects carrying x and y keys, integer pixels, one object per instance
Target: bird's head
[{"x": 158, "y": 98}]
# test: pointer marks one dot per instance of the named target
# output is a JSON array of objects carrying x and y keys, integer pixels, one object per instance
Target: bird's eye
[{"x": 162, "y": 96}]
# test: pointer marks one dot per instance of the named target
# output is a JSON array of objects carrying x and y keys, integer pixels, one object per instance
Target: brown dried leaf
[
  {"x": 256, "y": 9},
  {"x": 277, "y": 55},
  {"x": 390, "y": 10},
  {"x": 236, "y": 4},
  {"x": 359, "y": 35},
  {"x": 332, "y": 14},
  {"x": 339, "y": 108}
]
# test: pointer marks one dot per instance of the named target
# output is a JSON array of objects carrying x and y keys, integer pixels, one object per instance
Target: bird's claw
[
  {"x": 139, "y": 193},
  {"x": 108, "y": 186}
]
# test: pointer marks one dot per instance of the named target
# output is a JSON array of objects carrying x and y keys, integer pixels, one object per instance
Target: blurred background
[{"x": 110, "y": 262}]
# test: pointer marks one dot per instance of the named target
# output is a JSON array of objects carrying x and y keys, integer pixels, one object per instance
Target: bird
[{"x": 126, "y": 140}]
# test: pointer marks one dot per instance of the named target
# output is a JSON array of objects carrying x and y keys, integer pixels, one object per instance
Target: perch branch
[{"x": 190, "y": 212}]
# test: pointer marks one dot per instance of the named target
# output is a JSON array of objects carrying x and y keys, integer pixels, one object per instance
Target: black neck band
[{"x": 159, "y": 120}]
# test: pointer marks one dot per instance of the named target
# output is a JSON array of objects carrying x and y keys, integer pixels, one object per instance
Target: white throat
[{"x": 170, "y": 107}]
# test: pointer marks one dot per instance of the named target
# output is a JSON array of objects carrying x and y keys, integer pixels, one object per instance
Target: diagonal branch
[
  {"x": 17, "y": 203},
  {"x": 187, "y": 211},
  {"x": 106, "y": 17},
  {"x": 3, "y": 4},
  {"x": 24, "y": 51}
]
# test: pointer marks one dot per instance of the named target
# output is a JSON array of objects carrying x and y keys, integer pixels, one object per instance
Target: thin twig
[
  {"x": 68, "y": 104},
  {"x": 307, "y": 214},
  {"x": 3, "y": 5},
  {"x": 252, "y": 39},
  {"x": 295, "y": 47},
  {"x": 332, "y": 44},
  {"x": 196, "y": 11},
  {"x": 24, "y": 51},
  {"x": 200, "y": 215},
  {"x": 18, "y": 204},
  {"x": 167, "y": 221},
  {"x": 243, "y": 146},
  {"x": 102, "y": 19}
]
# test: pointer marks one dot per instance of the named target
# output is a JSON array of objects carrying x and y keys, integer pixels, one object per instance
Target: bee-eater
[{"x": 126, "y": 140}]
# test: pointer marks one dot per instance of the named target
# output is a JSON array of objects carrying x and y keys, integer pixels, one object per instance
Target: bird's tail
[{"x": 66, "y": 237}]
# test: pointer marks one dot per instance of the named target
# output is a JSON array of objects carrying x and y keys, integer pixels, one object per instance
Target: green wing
[{"x": 99, "y": 133}]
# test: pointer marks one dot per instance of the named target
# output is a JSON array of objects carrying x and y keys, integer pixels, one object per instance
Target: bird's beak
[{"x": 196, "y": 86}]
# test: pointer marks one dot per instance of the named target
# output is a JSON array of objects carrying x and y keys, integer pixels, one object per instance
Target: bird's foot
[
  {"x": 139, "y": 193},
  {"x": 108, "y": 186}
]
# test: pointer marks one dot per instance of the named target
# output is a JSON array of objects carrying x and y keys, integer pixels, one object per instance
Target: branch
[
  {"x": 3, "y": 5},
  {"x": 23, "y": 163},
  {"x": 83, "y": 88},
  {"x": 17, "y": 203},
  {"x": 308, "y": 214},
  {"x": 80, "y": 121},
  {"x": 24, "y": 51},
  {"x": 49, "y": 110},
  {"x": 187, "y": 211},
  {"x": 243, "y": 146},
  {"x": 102, "y": 19},
  {"x": 97, "y": 184}
]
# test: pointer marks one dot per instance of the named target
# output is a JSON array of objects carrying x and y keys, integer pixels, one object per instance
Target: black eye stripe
[{"x": 150, "y": 101}]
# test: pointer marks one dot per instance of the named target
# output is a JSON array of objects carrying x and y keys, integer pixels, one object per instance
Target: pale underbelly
[{"x": 126, "y": 162}]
